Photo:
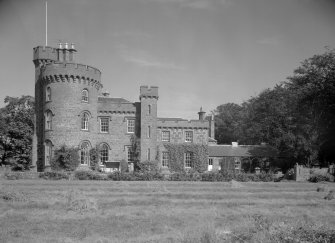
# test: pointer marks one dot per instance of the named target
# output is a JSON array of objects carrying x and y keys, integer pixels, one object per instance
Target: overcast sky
[{"x": 199, "y": 52}]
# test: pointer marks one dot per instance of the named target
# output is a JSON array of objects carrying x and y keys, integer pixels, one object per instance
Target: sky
[{"x": 200, "y": 53}]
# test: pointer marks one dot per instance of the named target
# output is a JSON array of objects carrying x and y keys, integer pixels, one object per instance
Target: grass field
[{"x": 164, "y": 211}]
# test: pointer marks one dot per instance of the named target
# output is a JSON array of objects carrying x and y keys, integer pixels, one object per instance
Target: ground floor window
[
  {"x": 103, "y": 153},
  {"x": 165, "y": 159},
  {"x": 188, "y": 160},
  {"x": 48, "y": 153},
  {"x": 85, "y": 153}
]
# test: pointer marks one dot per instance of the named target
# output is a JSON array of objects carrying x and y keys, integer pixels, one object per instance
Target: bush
[
  {"x": 54, "y": 175},
  {"x": 89, "y": 175},
  {"x": 318, "y": 177},
  {"x": 65, "y": 158},
  {"x": 13, "y": 175}
]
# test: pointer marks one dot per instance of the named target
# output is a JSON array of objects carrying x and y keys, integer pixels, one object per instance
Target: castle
[{"x": 72, "y": 110}]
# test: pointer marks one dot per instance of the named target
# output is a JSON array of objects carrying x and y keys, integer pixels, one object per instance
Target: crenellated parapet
[
  {"x": 71, "y": 72},
  {"x": 149, "y": 92},
  {"x": 182, "y": 124}
]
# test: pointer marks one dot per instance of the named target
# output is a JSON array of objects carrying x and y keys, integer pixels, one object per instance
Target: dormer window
[{"x": 84, "y": 95}]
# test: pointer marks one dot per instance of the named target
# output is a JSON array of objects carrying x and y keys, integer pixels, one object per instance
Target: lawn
[{"x": 163, "y": 211}]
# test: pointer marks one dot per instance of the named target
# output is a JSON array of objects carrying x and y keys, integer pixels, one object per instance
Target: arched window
[
  {"x": 48, "y": 94},
  {"x": 48, "y": 120},
  {"x": 84, "y": 121},
  {"x": 48, "y": 153},
  {"x": 84, "y": 95},
  {"x": 85, "y": 153},
  {"x": 103, "y": 153}
]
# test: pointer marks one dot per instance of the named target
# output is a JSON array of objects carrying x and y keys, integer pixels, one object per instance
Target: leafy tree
[
  {"x": 313, "y": 84},
  {"x": 228, "y": 122},
  {"x": 16, "y": 130},
  {"x": 297, "y": 117}
]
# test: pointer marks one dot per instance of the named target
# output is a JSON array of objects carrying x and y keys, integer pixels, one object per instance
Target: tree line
[{"x": 296, "y": 116}]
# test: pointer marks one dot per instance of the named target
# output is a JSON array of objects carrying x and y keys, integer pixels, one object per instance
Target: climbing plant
[{"x": 177, "y": 153}]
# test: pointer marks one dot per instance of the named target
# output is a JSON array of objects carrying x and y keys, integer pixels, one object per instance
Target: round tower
[{"x": 66, "y": 96}]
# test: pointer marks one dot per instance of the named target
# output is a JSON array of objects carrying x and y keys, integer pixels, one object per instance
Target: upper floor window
[
  {"x": 84, "y": 121},
  {"x": 84, "y": 95},
  {"x": 166, "y": 136},
  {"x": 188, "y": 160},
  {"x": 103, "y": 153},
  {"x": 104, "y": 124},
  {"x": 149, "y": 109},
  {"x": 130, "y": 126},
  {"x": 48, "y": 120},
  {"x": 188, "y": 136},
  {"x": 165, "y": 159},
  {"x": 149, "y": 132},
  {"x": 85, "y": 153},
  {"x": 48, "y": 94},
  {"x": 130, "y": 154}
]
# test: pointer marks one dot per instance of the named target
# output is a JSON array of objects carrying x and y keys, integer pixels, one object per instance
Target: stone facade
[{"x": 72, "y": 110}]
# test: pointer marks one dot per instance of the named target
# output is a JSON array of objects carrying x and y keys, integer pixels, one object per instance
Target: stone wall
[{"x": 303, "y": 173}]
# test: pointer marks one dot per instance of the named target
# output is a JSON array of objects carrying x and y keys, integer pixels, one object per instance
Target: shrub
[
  {"x": 94, "y": 159},
  {"x": 318, "y": 177},
  {"x": 54, "y": 175},
  {"x": 65, "y": 158},
  {"x": 89, "y": 175},
  {"x": 13, "y": 175}
]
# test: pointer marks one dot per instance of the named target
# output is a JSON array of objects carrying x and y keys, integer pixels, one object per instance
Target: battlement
[
  {"x": 71, "y": 69},
  {"x": 45, "y": 53},
  {"x": 149, "y": 92},
  {"x": 181, "y": 123}
]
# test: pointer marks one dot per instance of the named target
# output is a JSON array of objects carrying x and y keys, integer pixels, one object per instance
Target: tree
[
  {"x": 313, "y": 83},
  {"x": 228, "y": 123},
  {"x": 16, "y": 130}
]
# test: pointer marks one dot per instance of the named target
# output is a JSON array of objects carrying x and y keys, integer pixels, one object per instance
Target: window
[
  {"x": 210, "y": 164},
  {"x": 84, "y": 95},
  {"x": 210, "y": 161},
  {"x": 48, "y": 120},
  {"x": 148, "y": 154},
  {"x": 48, "y": 153},
  {"x": 48, "y": 94},
  {"x": 165, "y": 159},
  {"x": 188, "y": 136},
  {"x": 103, "y": 153},
  {"x": 84, "y": 121},
  {"x": 149, "y": 132},
  {"x": 149, "y": 109},
  {"x": 188, "y": 160},
  {"x": 166, "y": 136},
  {"x": 130, "y": 154},
  {"x": 131, "y": 126},
  {"x": 104, "y": 124},
  {"x": 85, "y": 153}
]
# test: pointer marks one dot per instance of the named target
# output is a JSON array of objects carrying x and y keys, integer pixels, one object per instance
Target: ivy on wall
[{"x": 177, "y": 153}]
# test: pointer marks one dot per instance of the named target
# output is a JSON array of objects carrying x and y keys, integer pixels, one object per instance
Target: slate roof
[
  {"x": 115, "y": 105},
  {"x": 242, "y": 151}
]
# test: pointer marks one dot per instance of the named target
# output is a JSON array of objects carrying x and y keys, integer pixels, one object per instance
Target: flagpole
[{"x": 46, "y": 23}]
